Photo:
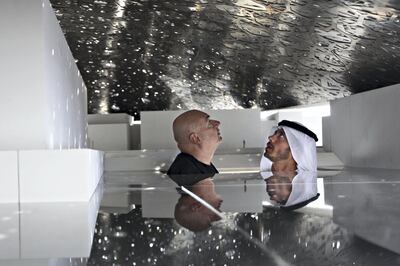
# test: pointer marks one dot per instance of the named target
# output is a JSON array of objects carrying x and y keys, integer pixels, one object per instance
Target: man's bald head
[{"x": 187, "y": 123}]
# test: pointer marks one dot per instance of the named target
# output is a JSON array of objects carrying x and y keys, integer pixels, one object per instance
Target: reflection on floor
[{"x": 353, "y": 222}]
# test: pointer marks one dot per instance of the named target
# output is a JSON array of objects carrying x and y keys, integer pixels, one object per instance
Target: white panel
[
  {"x": 364, "y": 202},
  {"x": 238, "y": 161},
  {"x": 109, "y": 137},
  {"x": 45, "y": 262},
  {"x": 54, "y": 175},
  {"x": 140, "y": 160},
  {"x": 65, "y": 91},
  {"x": 341, "y": 125},
  {"x": 156, "y": 129},
  {"x": 375, "y": 128},
  {"x": 246, "y": 197},
  {"x": 110, "y": 119},
  {"x": 364, "y": 128},
  {"x": 36, "y": 233},
  {"x": 326, "y": 133},
  {"x": 40, "y": 81},
  {"x": 67, "y": 231},
  {"x": 238, "y": 128},
  {"x": 9, "y": 231},
  {"x": 159, "y": 204},
  {"x": 8, "y": 176},
  {"x": 134, "y": 135},
  {"x": 21, "y": 80}
]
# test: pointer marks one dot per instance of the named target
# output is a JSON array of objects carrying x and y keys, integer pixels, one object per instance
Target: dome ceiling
[{"x": 223, "y": 54}]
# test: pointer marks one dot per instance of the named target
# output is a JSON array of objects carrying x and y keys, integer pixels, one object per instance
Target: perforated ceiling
[{"x": 223, "y": 54}]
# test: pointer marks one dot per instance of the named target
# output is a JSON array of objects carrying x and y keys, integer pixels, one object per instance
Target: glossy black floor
[
  {"x": 222, "y": 54},
  {"x": 354, "y": 221},
  {"x": 354, "y": 206},
  {"x": 287, "y": 238}
]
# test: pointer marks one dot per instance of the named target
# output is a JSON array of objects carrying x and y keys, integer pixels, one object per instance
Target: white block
[
  {"x": 46, "y": 233},
  {"x": 59, "y": 230},
  {"x": 9, "y": 231},
  {"x": 45, "y": 262},
  {"x": 59, "y": 175},
  {"x": 238, "y": 161},
  {"x": 109, "y": 137},
  {"x": 241, "y": 195},
  {"x": 364, "y": 128},
  {"x": 140, "y": 160},
  {"x": 8, "y": 176},
  {"x": 375, "y": 129},
  {"x": 110, "y": 119},
  {"x": 134, "y": 135},
  {"x": 367, "y": 197},
  {"x": 159, "y": 204},
  {"x": 326, "y": 133},
  {"x": 341, "y": 129},
  {"x": 40, "y": 81}
]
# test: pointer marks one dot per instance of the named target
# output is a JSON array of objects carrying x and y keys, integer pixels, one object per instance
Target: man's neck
[
  {"x": 284, "y": 166},
  {"x": 201, "y": 156}
]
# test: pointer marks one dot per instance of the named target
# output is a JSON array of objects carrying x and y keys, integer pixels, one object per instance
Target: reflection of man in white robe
[{"x": 291, "y": 190}]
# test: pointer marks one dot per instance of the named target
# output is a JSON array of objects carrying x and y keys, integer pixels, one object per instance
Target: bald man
[{"x": 197, "y": 137}]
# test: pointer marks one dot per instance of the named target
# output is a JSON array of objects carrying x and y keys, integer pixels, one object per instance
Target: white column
[
  {"x": 365, "y": 130},
  {"x": 43, "y": 102},
  {"x": 43, "y": 109}
]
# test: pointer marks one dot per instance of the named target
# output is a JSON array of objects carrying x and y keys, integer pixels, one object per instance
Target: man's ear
[{"x": 194, "y": 138}]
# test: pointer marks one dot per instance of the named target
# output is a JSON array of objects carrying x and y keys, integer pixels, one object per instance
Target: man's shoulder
[
  {"x": 183, "y": 164},
  {"x": 187, "y": 164},
  {"x": 184, "y": 158}
]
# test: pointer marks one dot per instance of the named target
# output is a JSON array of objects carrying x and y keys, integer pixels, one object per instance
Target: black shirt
[{"x": 185, "y": 164}]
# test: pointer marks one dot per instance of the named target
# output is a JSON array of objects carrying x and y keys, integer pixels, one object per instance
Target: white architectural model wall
[
  {"x": 110, "y": 132},
  {"x": 44, "y": 98},
  {"x": 43, "y": 111},
  {"x": 365, "y": 129},
  {"x": 236, "y": 126}
]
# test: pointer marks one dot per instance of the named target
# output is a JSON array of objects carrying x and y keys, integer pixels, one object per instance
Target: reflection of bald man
[
  {"x": 197, "y": 138},
  {"x": 192, "y": 214}
]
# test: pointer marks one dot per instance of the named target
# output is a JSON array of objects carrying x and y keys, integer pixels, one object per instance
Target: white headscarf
[
  {"x": 303, "y": 148},
  {"x": 304, "y": 187},
  {"x": 265, "y": 164}
]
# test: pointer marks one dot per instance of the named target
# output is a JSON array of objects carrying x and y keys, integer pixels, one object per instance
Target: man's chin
[{"x": 266, "y": 155}]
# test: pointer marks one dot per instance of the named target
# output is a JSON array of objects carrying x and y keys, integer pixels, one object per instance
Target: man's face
[
  {"x": 208, "y": 130},
  {"x": 277, "y": 148},
  {"x": 206, "y": 190},
  {"x": 279, "y": 188}
]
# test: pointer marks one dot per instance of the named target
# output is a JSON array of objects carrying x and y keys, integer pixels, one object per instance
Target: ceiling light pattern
[{"x": 222, "y": 54}]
